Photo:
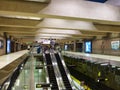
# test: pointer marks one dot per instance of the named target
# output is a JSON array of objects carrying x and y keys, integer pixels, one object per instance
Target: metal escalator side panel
[
  {"x": 47, "y": 76},
  {"x": 63, "y": 72},
  {"x": 57, "y": 73},
  {"x": 51, "y": 72}
]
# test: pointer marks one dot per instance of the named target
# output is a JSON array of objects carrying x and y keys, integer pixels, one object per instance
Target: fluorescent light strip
[
  {"x": 23, "y": 17},
  {"x": 104, "y": 64},
  {"x": 118, "y": 68}
]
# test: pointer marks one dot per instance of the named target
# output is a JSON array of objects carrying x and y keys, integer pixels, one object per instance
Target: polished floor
[{"x": 24, "y": 81}]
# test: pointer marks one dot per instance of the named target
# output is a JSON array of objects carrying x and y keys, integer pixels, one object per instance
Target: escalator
[
  {"x": 63, "y": 73},
  {"x": 51, "y": 73}
]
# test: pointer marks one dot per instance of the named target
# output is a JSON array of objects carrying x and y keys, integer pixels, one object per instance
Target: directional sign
[
  {"x": 42, "y": 85},
  {"x": 25, "y": 87}
]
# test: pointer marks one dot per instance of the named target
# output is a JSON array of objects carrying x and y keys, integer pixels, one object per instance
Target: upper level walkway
[
  {"x": 114, "y": 60},
  {"x": 7, "y": 59}
]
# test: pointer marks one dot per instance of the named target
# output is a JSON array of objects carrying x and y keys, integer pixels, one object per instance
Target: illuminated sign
[
  {"x": 88, "y": 46},
  {"x": 8, "y": 46},
  {"x": 115, "y": 45},
  {"x": 26, "y": 87},
  {"x": 42, "y": 85}
]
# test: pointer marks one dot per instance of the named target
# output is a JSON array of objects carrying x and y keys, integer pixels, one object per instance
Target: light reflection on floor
[
  {"x": 23, "y": 81},
  {"x": 39, "y": 75}
]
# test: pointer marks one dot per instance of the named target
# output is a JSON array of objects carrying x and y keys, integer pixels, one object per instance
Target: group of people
[
  {"x": 51, "y": 48},
  {"x": 41, "y": 48}
]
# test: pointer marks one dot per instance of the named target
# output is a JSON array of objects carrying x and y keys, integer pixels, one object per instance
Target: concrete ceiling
[
  {"x": 29, "y": 20},
  {"x": 113, "y": 2}
]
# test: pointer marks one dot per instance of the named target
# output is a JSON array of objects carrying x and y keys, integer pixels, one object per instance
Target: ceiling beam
[
  {"x": 18, "y": 32},
  {"x": 22, "y": 14},
  {"x": 36, "y": 33},
  {"x": 33, "y": 35},
  {"x": 99, "y": 28}
]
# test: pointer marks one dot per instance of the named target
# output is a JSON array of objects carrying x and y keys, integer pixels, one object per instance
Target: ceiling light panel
[
  {"x": 38, "y": 38},
  {"x": 54, "y": 35}
]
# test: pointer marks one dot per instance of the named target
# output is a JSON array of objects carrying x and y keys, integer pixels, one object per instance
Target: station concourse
[{"x": 59, "y": 45}]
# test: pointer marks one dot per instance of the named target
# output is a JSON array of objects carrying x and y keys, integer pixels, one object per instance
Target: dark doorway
[
  {"x": 79, "y": 47},
  {"x": 12, "y": 46}
]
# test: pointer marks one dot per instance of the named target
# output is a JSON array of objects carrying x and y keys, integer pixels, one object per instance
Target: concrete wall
[{"x": 3, "y": 50}]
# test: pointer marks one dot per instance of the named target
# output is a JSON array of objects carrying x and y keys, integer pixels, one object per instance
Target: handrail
[
  {"x": 47, "y": 76},
  {"x": 57, "y": 71},
  {"x": 71, "y": 80},
  {"x": 8, "y": 74}
]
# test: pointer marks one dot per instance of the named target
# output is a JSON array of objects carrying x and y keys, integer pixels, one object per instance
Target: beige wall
[
  {"x": 97, "y": 46},
  {"x": 103, "y": 46},
  {"x": 3, "y": 50}
]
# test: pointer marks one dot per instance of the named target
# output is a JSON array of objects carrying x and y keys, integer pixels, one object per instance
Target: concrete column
[
  {"x": 74, "y": 49},
  {"x": 5, "y": 36}
]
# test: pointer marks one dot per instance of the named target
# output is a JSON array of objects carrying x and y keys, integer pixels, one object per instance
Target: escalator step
[{"x": 51, "y": 72}]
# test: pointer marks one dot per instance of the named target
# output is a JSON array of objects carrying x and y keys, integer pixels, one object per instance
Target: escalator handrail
[
  {"x": 53, "y": 70},
  {"x": 58, "y": 72},
  {"x": 48, "y": 81},
  {"x": 12, "y": 71},
  {"x": 63, "y": 68},
  {"x": 67, "y": 71}
]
